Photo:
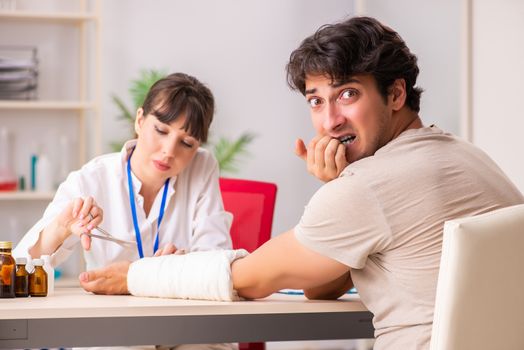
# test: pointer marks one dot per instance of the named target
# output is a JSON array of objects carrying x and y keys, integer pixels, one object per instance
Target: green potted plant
[{"x": 227, "y": 151}]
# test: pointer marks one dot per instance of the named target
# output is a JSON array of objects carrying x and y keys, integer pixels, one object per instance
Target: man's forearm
[{"x": 247, "y": 282}]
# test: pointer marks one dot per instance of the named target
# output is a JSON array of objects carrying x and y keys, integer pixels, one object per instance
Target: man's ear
[
  {"x": 139, "y": 120},
  {"x": 397, "y": 94}
]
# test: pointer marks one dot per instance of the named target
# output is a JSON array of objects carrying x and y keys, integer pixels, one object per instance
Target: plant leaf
[
  {"x": 228, "y": 152},
  {"x": 125, "y": 112},
  {"x": 140, "y": 87}
]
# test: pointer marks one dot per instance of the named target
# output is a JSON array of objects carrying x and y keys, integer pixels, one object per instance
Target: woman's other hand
[{"x": 170, "y": 248}]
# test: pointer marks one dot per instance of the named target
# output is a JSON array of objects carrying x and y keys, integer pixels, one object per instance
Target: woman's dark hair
[
  {"x": 360, "y": 45},
  {"x": 181, "y": 94}
]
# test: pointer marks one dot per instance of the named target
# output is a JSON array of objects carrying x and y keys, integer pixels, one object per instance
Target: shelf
[
  {"x": 42, "y": 105},
  {"x": 26, "y": 195},
  {"x": 65, "y": 17}
]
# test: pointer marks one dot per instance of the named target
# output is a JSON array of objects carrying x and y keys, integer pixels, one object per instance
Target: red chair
[{"x": 252, "y": 204}]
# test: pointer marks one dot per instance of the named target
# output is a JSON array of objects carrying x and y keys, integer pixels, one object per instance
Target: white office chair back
[{"x": 480, "y": 292}]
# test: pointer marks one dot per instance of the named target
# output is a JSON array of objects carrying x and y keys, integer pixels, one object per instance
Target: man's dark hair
[
  {"x": 181, "y": 94},
  {"x": 360, "y": 45}
]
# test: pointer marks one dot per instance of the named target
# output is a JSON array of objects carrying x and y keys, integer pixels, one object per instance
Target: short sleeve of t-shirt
[{"x": 344, "y": 221}]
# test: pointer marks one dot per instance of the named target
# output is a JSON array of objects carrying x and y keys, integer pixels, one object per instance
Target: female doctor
[{"x": 161, "y": 191}]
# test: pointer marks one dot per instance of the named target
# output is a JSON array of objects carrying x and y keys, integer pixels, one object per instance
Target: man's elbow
[
  {"x": 254, "y": 292},
  {"x": 322, "y": 295},
  {"x": 332, "y": 290},
  {"x": 247, "y": 283}
]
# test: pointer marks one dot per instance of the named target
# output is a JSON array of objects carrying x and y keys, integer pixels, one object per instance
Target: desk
[{"x": 72, "y": 317}]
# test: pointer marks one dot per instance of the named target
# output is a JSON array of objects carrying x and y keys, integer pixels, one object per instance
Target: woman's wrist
[
  {"x": 49, "y": 239},
  {"x": 54, "y": 235}
]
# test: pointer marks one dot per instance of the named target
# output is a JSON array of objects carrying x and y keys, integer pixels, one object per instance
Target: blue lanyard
[{"x": 133, "y": 210}]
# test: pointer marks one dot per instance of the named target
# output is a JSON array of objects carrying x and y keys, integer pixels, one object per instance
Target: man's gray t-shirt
[{"x": 384, "y": 217}]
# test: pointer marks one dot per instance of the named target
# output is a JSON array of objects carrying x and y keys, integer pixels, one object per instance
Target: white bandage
[{"x": 199, "y": 275}]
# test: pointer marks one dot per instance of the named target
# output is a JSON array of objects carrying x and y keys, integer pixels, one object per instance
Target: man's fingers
[
  {"x": 330, "y": 154},
  {"x": 93, "y": 281},
  {"x": 310, "y": 157},
  {"x": 320, "y": 151},
  {"x": 325, "y": 156},
  {"x": 89, "y": 283},
  {"x": 90, "y": 276},
  {"x": 340, "y": 158},
  {"x": 111, "y": 279},
  {"x": 300, "y": 149}
]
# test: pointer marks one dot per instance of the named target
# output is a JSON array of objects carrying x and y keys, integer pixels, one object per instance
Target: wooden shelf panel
[
  {"x": 64, "y": 17},
  {"x": 43, "y": 105},
  {"x": 26, "y": 195}
]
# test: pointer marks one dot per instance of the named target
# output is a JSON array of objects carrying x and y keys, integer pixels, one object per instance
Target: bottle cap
[
  {"x": 38, "y": 262},
  {"x": 21, "y": 260},
  {"x": 6, "y": 245}
]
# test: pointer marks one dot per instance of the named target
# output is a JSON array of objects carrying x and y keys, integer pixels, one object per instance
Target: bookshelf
[
  {"x": 66, "y": 34},
  {"x": 81, "y": 17}
]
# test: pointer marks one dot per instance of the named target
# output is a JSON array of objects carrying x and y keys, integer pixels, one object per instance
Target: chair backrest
[
  {"x": 252, "y": 204},
  {"x": 480, "y": 292}
]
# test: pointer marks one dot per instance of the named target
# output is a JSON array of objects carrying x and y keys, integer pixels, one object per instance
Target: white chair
[{"x": 480, "y": 292}]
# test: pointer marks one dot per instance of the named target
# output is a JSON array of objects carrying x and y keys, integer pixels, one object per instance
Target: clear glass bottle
[
  {"x": 7, "y": 270},
  {"x": 22, "y": 279},
  {"x": 38, "y": 280}
]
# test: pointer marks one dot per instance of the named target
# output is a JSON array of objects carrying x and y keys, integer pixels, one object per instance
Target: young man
[{"x": 377, "y": 223}]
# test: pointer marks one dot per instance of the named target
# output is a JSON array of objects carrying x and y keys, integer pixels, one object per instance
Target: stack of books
[{"x": 18, "y": 73}]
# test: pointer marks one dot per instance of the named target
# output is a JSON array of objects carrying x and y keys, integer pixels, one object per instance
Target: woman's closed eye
[
  {"x": 187, "y": 144},
  {"x": 160, "y": 131}
]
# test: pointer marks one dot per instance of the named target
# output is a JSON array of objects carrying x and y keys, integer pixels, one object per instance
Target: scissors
[{"x": 109, "y": 237}]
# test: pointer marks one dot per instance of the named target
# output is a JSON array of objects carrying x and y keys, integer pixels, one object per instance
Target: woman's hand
[
  {"x": 79, "y": 217},
  {"x": 111, "y": 279},
  {"x": 170, "y": 248},
  {"x": 325, "y": 157}
]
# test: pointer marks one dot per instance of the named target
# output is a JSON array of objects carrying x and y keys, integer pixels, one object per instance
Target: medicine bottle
[
  {"x": 21, "y": 279},
  {"x": 38, "y": 280},
  {"x": 7, "y": 270}
]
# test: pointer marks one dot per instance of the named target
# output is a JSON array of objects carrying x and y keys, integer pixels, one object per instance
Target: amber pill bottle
[
  {"x": 21, "y": 279},
  {"x": 38, "y": 280},
  {"x": 7, "y": 270}
]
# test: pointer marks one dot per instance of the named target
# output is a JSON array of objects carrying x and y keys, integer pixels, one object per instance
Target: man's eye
[
  {"x": 347, "y": 94},
  {"x": 314, "y": 102}
]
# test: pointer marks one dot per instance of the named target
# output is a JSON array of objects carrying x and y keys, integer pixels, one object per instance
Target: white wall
[
  {"x": 498, "y": 76},
  {"x": 240, "y": 49}
]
